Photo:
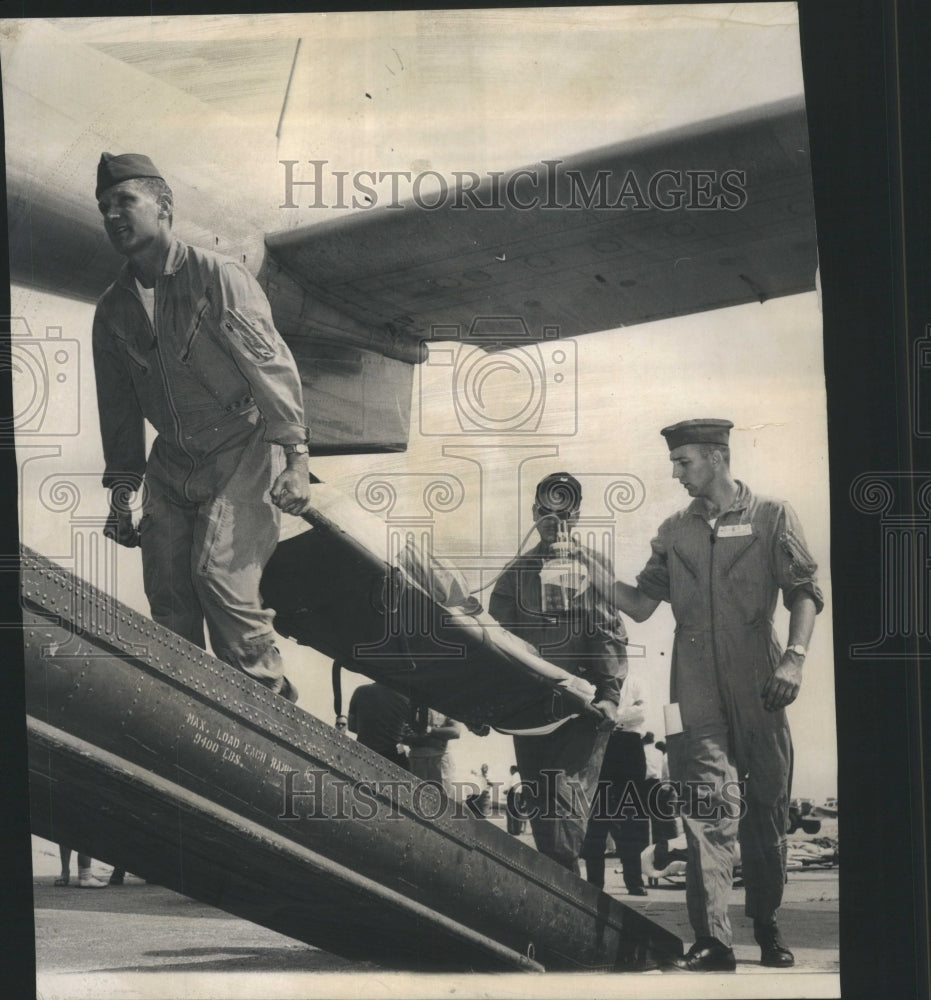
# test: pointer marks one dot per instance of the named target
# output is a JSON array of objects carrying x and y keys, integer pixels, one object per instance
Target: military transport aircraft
[
  {"x": 160, "y": 738},
  {"x": 712, "y": 214}
]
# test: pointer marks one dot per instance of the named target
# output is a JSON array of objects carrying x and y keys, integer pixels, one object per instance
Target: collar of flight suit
[
  {"x": 177, "y": 255},
  {"x": 699, "y": 506}
]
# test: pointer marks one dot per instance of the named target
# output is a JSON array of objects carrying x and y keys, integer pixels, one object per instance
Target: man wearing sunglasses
[{"x": 560, "y": 767}]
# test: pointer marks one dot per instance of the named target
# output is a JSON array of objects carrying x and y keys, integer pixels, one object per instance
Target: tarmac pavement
[{"x": 143, "y": 941}]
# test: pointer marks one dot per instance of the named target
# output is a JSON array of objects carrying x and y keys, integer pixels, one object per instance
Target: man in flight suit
[
  {"x": 721, "y": 563},
  {"x": 184, "y": 338}
]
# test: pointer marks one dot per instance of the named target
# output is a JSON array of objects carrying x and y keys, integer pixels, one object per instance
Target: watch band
[{"x": 296, "y": 449}]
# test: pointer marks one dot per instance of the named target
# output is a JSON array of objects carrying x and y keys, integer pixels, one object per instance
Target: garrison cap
[
  {"x": 559, "y": 492},
  {"x": 125, "y": 167},
  {"x": 704, "y": 431}
]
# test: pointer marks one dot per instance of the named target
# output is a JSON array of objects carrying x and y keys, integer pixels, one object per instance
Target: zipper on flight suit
[
  {"x": 714, "y": 633},
  {"x": 713, "y": 537},
  {"x": 713, "y": 541},
  {"x": 153, "y": 326},
  {"x": 195, "y": 327}
]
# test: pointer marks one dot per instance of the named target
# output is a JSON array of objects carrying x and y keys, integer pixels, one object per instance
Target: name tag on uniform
[{"x": 734, "y": 530}]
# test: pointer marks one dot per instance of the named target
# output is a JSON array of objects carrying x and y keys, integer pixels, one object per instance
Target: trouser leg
[
  {"x": 633, "y": 870},
  {"x": 432, "y": 767},
  {"x": 233, "y": 541},
  {"x": 446, "y": 773},
  {"x": 593, "y": 851},
  {"x": 167, "y": 538},
  {"x": 419, "y": 766},
  {"x": 515, "y": 810},
  {"x": 763, "y": 827},
  {"x": 560, "y": 773},
  {"x": 632, "y": 833},
  {"x": 702, "y": 763},
  {"x": 661, "y": 803},
  {"x": 663, "y": 808},
  {"x": 629, "y": 851}
]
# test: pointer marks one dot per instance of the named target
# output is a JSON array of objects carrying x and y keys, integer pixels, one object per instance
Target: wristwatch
[
  {"x": 797, "y": 649},
  {"x": 296, "y": 449}
]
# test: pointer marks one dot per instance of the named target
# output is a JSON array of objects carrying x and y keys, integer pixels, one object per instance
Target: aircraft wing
[
  {"x": 710, "y": 215},
  {"x": 714, "y": 215}
]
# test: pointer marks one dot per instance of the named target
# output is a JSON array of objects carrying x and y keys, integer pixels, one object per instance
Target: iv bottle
[{"x": 562, "y": 578}]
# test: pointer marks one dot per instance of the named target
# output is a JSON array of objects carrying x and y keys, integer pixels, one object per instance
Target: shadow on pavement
[{"x": 301, "y": 958}]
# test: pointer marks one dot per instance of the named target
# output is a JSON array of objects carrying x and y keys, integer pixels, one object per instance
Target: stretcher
[{"x": 379, "y": 603}]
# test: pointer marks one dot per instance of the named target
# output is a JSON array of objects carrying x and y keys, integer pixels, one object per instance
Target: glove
[{"x": 120, "y": 528}]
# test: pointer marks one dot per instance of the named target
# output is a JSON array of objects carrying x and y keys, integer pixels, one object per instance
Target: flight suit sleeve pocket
[
  {"x": 794, "y": 565},
  {"x": 249, "y": 330},
  {"x": 801, "y": 565}
]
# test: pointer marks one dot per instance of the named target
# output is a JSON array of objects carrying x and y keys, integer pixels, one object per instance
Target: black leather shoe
[
  {"x": 638, "y": 890},
  {"x": 707, "y": 955},
  {"x": 777, "y": 957},
  {"x": 773, "y": 951}
]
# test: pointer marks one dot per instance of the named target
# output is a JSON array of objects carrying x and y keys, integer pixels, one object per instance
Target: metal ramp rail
[{"x": 147, "y": 752}]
